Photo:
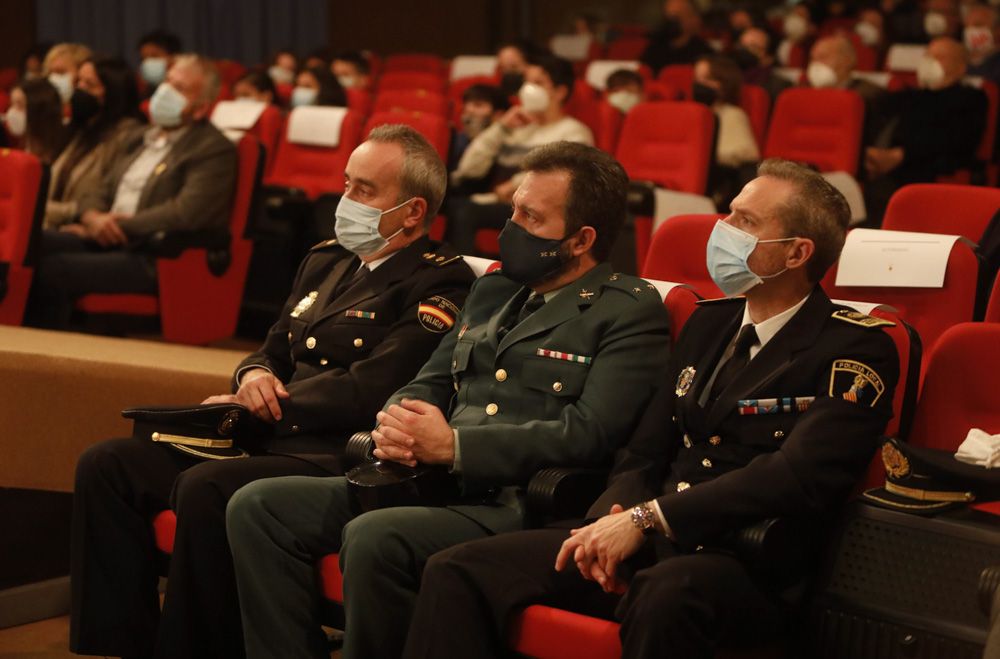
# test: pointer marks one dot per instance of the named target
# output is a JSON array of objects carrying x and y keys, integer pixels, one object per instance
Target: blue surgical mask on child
[
  {"x": 357, "y": 226},
  {"x": 727, "y": 253}
]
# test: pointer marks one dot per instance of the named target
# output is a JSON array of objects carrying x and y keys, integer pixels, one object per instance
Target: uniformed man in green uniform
[{"x": 550, "y": 363}]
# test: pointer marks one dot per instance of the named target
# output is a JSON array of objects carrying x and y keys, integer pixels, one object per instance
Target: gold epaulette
[
  {"x": 439, "y": 259},
  {"x": 857, "y": 318}
]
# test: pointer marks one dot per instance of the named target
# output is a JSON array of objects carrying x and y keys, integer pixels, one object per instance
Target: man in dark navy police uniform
[
  {"x": 771, "y": 408},
  {"x": 365, "y": 313}
]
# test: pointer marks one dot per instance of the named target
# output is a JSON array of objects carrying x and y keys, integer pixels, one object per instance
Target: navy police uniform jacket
[
  {"x": 341, "y": 356},
  {"x": 789, "y": 437}
]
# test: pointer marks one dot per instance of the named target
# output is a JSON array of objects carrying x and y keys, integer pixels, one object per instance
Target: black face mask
[
  {"x": 510, "y": 83},
  {"x": 528, "y": 259},
  {"x": 745, "y": 59},
  {"x": 704, "y": 94},
  {"x": 84, "y": 106}
]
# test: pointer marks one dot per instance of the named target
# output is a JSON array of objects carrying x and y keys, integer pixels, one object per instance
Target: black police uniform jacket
[
  {"x": 789, "y": 437},
  {"x": 341, "y": 356}
]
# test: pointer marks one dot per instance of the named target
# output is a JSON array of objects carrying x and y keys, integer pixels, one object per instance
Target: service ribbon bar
[
  {"x": 774, "y": 405},
  {"x": 357, "y": 313},
  {"x": 565, "y": 356}
]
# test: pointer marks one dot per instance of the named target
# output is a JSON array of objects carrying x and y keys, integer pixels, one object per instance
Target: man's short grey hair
[
  {"x": 423, "y": 174},
  {"x": 816, "y": 210},
  {"x": 210, "y": 90}
]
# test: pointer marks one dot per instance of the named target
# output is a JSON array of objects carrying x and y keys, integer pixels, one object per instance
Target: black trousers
[
  {"x": 680, "y": 605},
  {"x": 121, "y": 485}
]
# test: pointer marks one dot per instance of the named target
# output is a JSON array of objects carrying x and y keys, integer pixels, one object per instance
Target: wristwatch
[{"x": 644, "y": 519}]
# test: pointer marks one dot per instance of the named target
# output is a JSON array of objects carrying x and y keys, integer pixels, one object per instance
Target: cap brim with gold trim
[{"x": 207, "y": 432}]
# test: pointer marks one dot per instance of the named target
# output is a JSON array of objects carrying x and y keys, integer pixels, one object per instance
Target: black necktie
[
  {"x": 531, "y": 305},
  {"x": 347, "y": 282},
  {"x": 736, "y": 362}
]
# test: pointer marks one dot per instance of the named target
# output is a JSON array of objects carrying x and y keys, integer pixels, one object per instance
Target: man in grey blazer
[{"x": 177, "y": 175}]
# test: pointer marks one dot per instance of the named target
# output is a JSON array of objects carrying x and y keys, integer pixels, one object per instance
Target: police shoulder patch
[
  {"x": 435, "y": 259},
  {"x": 857, "y": 318},
  {"x": 855, "y": 382},
  {"x": 323, "y": 244},
  {"x": 437, "y": 314}
]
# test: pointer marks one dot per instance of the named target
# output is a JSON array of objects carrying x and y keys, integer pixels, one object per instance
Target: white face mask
[
  {"x": 930, "y": 73},
  {"x": 796, "y": 27},
  {"x": 347, "y": 82},
  {"x": 534, "y": 98},
  {"x": 16, "y": 122},
  {"x": 978, "y": 39},
  {"x": 357, "y": 226},
  {"x": 935, "y": 24},
  {"x": 63, "y": 82},
  {"x": 868, "y": 33},
  {"x": 304, "y": 96},
  {"x": 624, "y": 100},
  {"x": 280, "y": 75},
  {"x": 821, "y": 75}
]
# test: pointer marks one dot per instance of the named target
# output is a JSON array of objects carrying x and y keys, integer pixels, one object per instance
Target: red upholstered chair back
[
  {"x": 434, "y": 127},
  {"x": 677, "y": 253},
  {"x": 609, "y": 127},
  {"x": 316, "y": 169},
  {"x": 756, "y": 102},
  {"x": 626, "y": 47},
  {"x": 993, "y": 308},
  {"x": 412, "y": 100},
  {"x": 678, "y": 76},
  {"x": 960, "y": 387},
  {"x": 680, "y": 301},
  {"x": 432, "y": 82},
  {"x": 22, "y": 207},
  {"x": 965, "y": 210},
  {"x": 821, "y": 127},
  {"x": 359, "y": 100},
  {"x": 417, "y": 63},
  {"x": 267, "y": 130},
  {"x": 668, "y": 143}
]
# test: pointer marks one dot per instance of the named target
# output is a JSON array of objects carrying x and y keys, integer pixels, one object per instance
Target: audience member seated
[
  {"x": 519, "y": 408},
  {"x": 512, "y": 62},
  {"x": 703, "y": 463},
  {"x": 980, "y": 37},
  {"x": 496, "y": 153},
  {"x": 941, "y": 19},
  {"x": 61, "y": 65},
  {"x": 31, "y": 62},
  {"x": 755, "y": 57},
  {"x": 938, "y": 127},
  {"x": 35, "y": 119},
  {"x": 799, "y": 30},
  {"x": 717, "y": 83},
  {"x": 870, "y": 29},
  {"x": 676, "y": 41},
  {"x": 157, "y": 51},
  {"x": 624, "y": 89},
  {"x": 481, "y": 106},
  {"x": 105, "y": 111},
  {"x": 178, "y": 176},
  {"x": 317, "y": 86},
  {"x": 282, "y": 67},
  {"x": 311, "y": 382},
  {"x": 255, "y": 86},
  {"x": 352, "y": 70}
]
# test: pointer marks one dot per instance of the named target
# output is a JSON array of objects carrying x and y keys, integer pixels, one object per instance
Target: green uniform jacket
[{"x": 565, "y": 387}]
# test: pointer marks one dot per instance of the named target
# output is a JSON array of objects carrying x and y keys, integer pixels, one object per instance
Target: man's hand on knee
[{"x": 260, "y": 392}]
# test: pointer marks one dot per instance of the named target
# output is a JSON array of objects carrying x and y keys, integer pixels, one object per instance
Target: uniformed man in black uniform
[
  {"x": 365, "y": 313},
  {"x": 551, "y": 362},
  {"x": 771, "y": 408}
]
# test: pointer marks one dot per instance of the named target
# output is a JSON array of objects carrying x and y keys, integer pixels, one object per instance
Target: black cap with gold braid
[{"x": 210, "y": 432}]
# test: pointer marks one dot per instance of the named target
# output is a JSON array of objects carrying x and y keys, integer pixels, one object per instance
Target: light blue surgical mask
[
  {"x": 303, "y": 96},
  {"x": 357, "y": 226},
  {"x": 63, "y": 82},
  {"x": 166, "y": 107},
  {"x": 727, "y": 253},
  {"x": 153, "y": 70}
]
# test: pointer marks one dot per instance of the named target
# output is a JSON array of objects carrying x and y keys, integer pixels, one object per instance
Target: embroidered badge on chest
[
  {"x": 684, "y": 381},
  {"x": 304, "y": 304},
  {"x": 437, "y": 314}
]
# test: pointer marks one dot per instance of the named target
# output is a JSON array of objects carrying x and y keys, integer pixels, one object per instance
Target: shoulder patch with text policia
[
  {"x": 437, "y": 314},
  {"x": 855, "y": 382},
  {"x": 858, "y": 318}
]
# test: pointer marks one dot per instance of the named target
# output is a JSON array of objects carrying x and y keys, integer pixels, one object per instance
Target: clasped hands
[
  {"x": 414, "y": 431},
  {"x": 102, "y": 228},
  {"x": 599, "y": 548}
]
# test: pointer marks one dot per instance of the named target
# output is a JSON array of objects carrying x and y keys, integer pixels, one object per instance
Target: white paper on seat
[
  {"x": 790, "y": 74},
  {"x": 316, "y": 126},
  {"x": 664, "y": 287},
  {"x": 849, "y": 187},
  {"x": 599, "y": 70},
  {"x": 880, "y": 78},
  {"x": 233, "y": 135},
  {"x": 904, "y": 56},
  {"x": 574, "y": 47},
  {"x": 238, "y": 115},
  {"x": 865, "y": 307},
  {"x": 478, "y": 264},
  {"x": 901, "y": 259},
  {"x": 670, "y": 203},
  {"x": 465, "y": 66}
]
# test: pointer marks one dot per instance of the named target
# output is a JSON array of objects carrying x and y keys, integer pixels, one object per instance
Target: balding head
[
  {"x": 837, "y": 52},
  {"x": 757, "y": 41},
  {"x": 952, "y": 56}
]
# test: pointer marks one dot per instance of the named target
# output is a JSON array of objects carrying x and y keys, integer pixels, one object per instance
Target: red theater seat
[
  {"x": 993, "y": 309},
  {"x": 677, "y": 253},
  {"x": 23, "y": 187},
  {"x": 821, "y": 127},
  {"x": 946, "y": 208},
  {"x": 411, "y": 100},
  {"x": 416, "y": 62},
  {"x": 315, "y": 170},
  {"x": 626, "y": 47},
  {"x": 195, "y": 305},
  {"x": 756, "y": 102},
  {"x": 434, "y": 127},
  {"x": 431, "y": 82},
  {"x": 359, "y": 100}
]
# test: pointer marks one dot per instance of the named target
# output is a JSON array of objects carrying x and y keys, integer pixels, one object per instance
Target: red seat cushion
[{"x": 164, "y": 528}]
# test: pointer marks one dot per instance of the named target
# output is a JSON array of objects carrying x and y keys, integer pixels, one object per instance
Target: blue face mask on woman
[
  {"x": 357, "y": 226},
  {"x": 726, "y": 255},
  {"x": 303, "y": 96}
]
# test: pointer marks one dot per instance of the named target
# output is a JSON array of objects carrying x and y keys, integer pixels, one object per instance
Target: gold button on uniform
[
  {"x": 687, "y": 442},
  {"x": 295, "y": 428},
  {"x": 501, "y": 375},
  {"x": 359, "y": 342},
  {"x": 706, "y": 463},
  {"x": 683, "y": 486},
  {"x": 557, "y": 386},
  {"x": 714, "y": 440},
  {"x": 492, "y": 409},
  {"x": 324, "y": 361},
  {"x": 289, "y": 336},
  {"x": 779, "y": 434},
  {"x": 311, "y": 342}
]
